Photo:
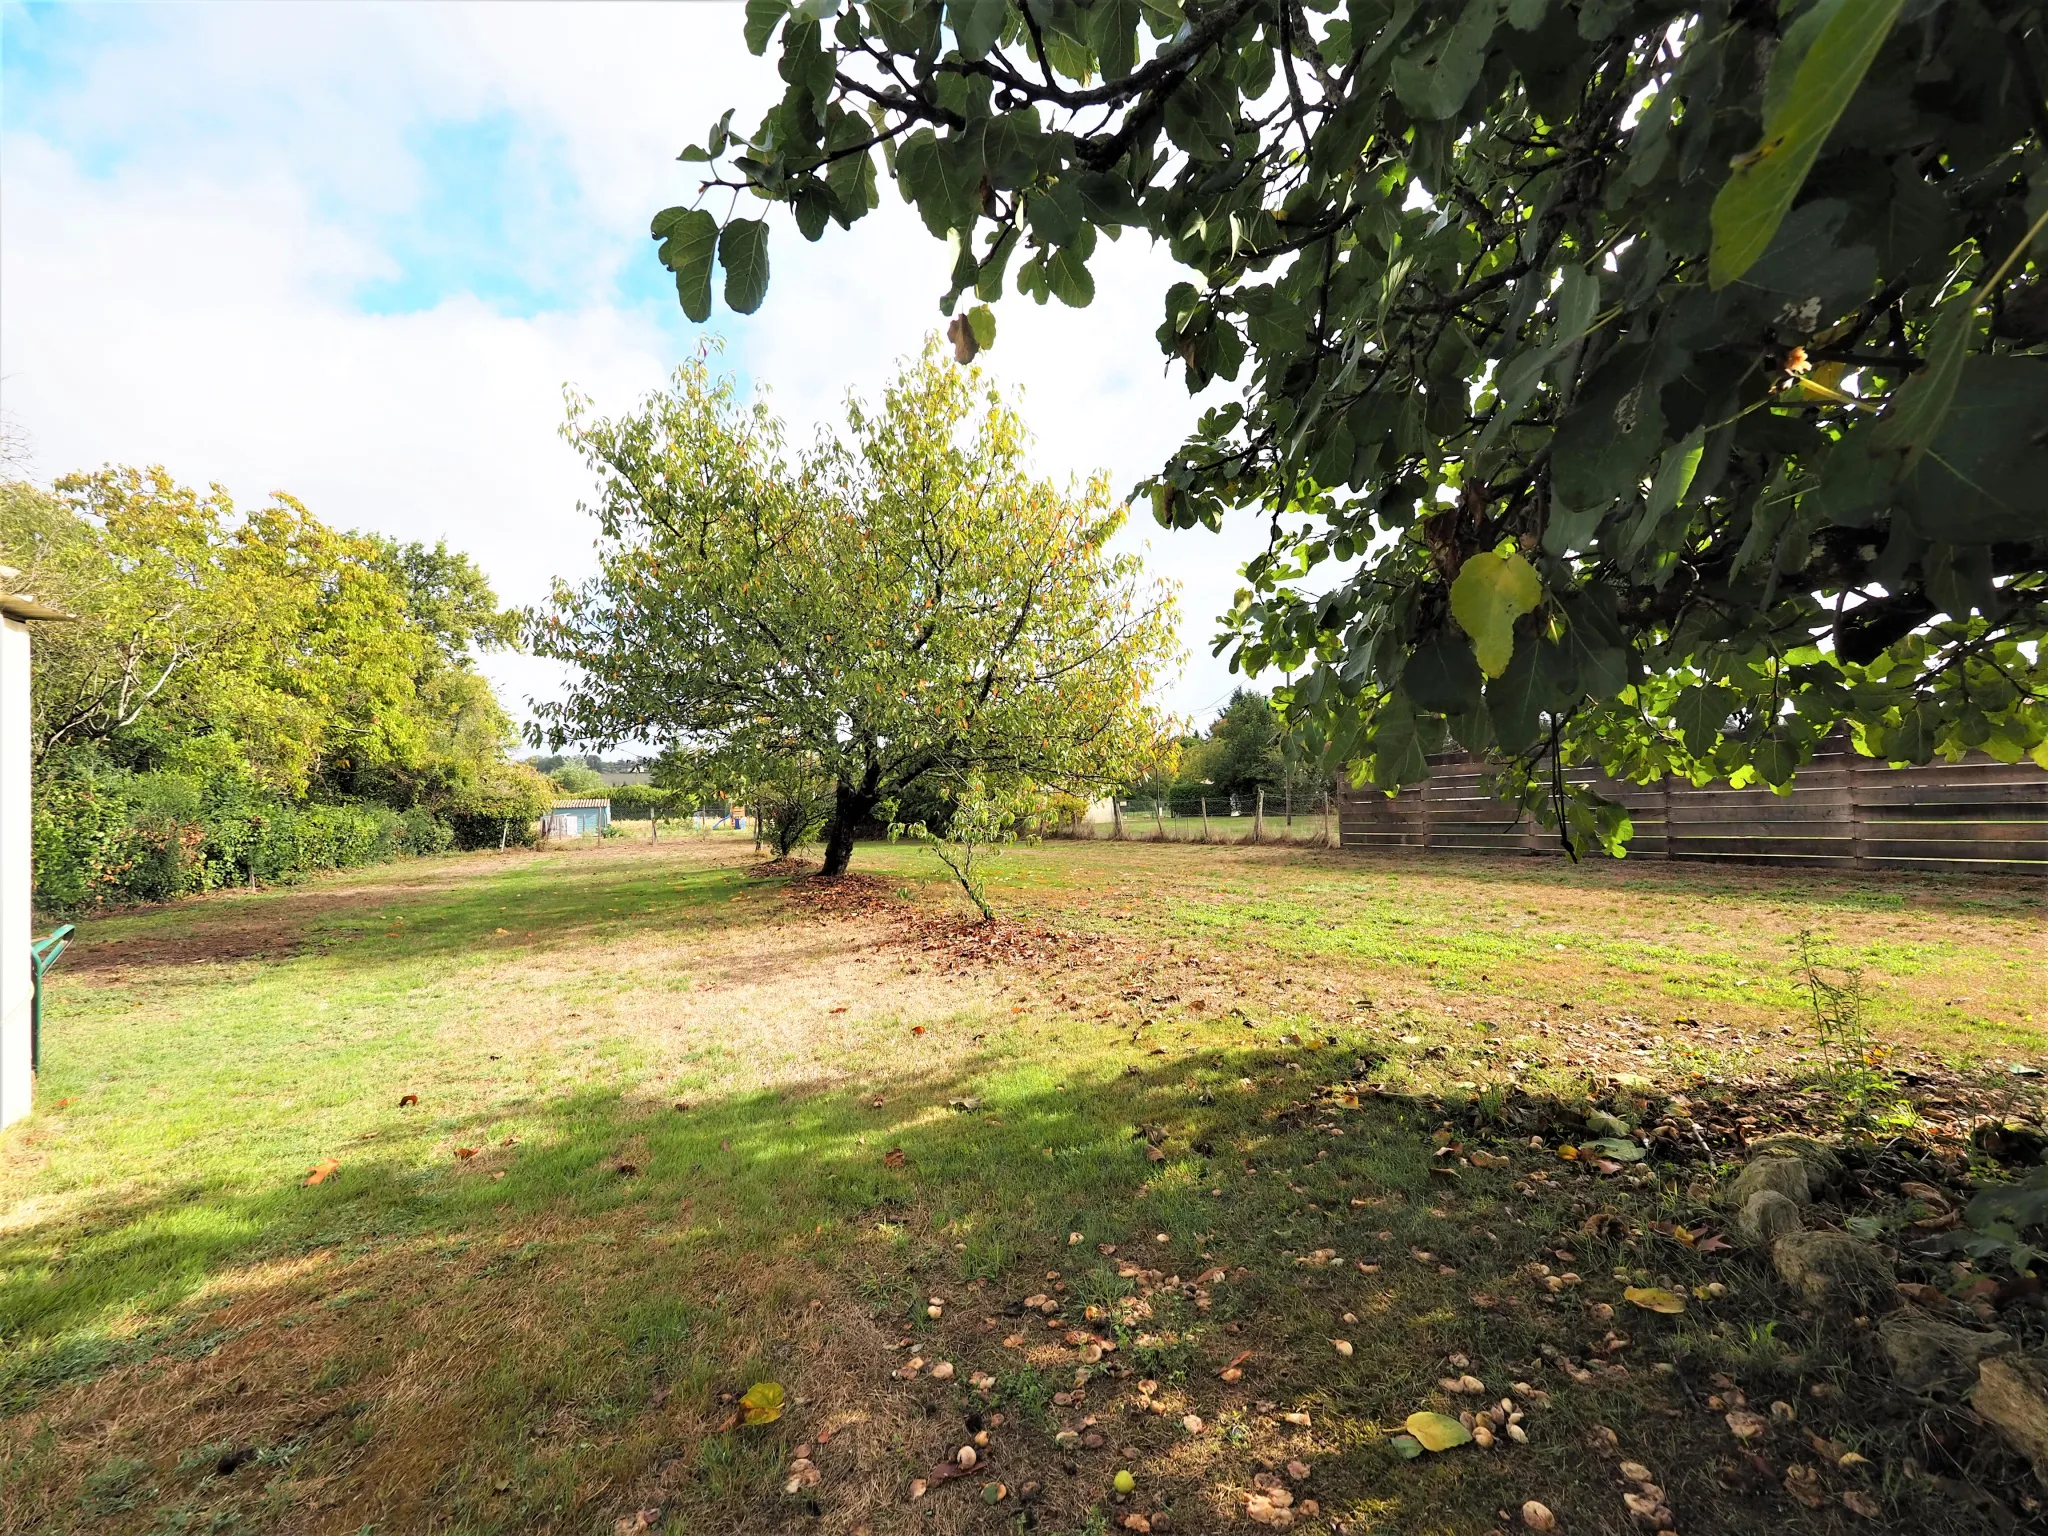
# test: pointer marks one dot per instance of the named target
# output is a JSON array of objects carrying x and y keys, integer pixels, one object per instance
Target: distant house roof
[{"x": 580, "y": 805}]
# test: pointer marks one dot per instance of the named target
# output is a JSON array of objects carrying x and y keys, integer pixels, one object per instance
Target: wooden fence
[{"x": 1977, "y": 816}]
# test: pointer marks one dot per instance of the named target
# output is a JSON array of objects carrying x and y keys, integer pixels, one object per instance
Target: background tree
[
  {"x": 577, "y": 780},
  {"x": 1675, "y": 371},
  {"x": 233, "y": 669},
  {"x": 903, "y": 603}
]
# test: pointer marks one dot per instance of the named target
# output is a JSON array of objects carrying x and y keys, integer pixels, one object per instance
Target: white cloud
[{"x": 193, "y": 212}]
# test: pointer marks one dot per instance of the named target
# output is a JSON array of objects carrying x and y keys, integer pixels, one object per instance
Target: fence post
[
  {"x": 1327, "y": 843},
  {"x": 1859, "y": 828},
  {"x": 1259, "y": 816},
  {"x": 1670, "y": 831},
  {"x": 1287, "y": 803},
  {"x": 1205, "y": 818}
]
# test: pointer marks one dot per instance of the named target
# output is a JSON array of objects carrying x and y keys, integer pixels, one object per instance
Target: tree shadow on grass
[
  {"x": 537, "y": 903},
  {"x": 538, "y": 1337}
]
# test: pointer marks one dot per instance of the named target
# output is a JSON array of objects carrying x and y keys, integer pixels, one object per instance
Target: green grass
[{"x": 531, "y": 1338}]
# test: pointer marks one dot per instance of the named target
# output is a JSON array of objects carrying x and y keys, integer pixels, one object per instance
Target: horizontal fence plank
[{"x": 1843, "y": 811}]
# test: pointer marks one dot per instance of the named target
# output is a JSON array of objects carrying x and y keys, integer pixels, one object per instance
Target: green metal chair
[{"x": 43, "y": 953}]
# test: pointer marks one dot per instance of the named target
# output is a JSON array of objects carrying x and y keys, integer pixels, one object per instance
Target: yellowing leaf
[
  {"x": 1800, "y": 114},
  {"x": 762, "y": 1403},
  {"x": 1491, "y": 592},
  {"x": 1437, "y": 1431},
  {"x": 1653, "y": 1298},
  {"x": 323, "y": 1170}
]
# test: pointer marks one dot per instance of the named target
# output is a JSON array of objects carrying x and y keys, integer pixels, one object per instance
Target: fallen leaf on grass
[
  {"x": 1538, "y": 1518},
  {"x": 893, "y": 1158},
  {"x": 1745, "y": 1425},
  {"x": 762, "y": 1403},
  {"x": 1437, "y": 1431},
  {"x": 1407, "y": 1447},
  {"x": 1803, "y": 1483},
  {"x": 1342, "y": 1346},
  {"x": 917, "y": 1029},
  {"x": 408, "y": 1100},
  {"x": 1615, "y": 1147},
  {"x": 323, "y": 1170},
  {"x": 1861, "y": 1503},
  {"x": 1653, "y": 1298},
  {"x": 464, "y": 1154}
]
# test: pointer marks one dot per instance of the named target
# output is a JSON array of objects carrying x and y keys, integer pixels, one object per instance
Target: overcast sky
[{"x": 355, "y": 251}]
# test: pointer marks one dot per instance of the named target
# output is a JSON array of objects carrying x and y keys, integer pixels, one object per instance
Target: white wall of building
[{"x": 17, "y": 980}]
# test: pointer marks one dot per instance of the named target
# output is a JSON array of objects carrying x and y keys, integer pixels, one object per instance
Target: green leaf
[
  {"x": 1442, "y": 678},
  {"x": 762, "y": 17},
  {"x": 1397, "y": 754},
  {"x": 1775, "y": 760},
  {"x": 1595, "y": 645},
  {"x": 1765, "y": 182},
  {"x": 1618, "y": 1148},
  {"x": 982, "y": 321},
  {"x": 1407, "y": 1447},
  {"x": 1701, "y": 712},
  {"x": 1985, "y": 478},
  {"x": 762, "y": 1403},
  {"x": 1674, "y": 474},
  {"x": 1533, "y": 685},
  {"x": 977, "y": 25},
  {"x": 1437, "y": 1431},
  {"x": 1068, "y": 277},
  {"x": 1921, "y": 404},
  {"x": 1113, "y": 34},
  {"x": 1432, "y": 81},
  {"x": 743, "y": 252},
  {"x": 1490, "y": 593},
  {"x": 687, "y": 252}
]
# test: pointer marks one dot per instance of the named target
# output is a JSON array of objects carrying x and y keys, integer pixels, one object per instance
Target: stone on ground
[
  {"x": 1792, "y": 1177},
  {"x": 1926, "y": 1352},
  {"x": 1832, "y": 1269},
  {"x": 2012, "y": 1397},
  {"x": 1767, "y": 1216}
]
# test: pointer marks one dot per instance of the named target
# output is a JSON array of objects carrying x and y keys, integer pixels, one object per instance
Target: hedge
[{"x": 121, "y": 838}]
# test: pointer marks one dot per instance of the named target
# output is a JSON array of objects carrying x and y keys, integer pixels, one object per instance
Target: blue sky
[{"x": 356, "y": 251}]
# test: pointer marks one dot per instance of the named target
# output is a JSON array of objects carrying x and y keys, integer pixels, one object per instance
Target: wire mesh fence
[{"x": 1181, "y": 816}]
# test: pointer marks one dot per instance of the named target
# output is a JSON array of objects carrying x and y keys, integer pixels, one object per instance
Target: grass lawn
[{"x": 612, "y": 1133}]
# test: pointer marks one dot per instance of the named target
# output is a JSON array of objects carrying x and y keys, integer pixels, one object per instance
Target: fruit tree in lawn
[
  {"x": 898, "y": 610},
  {"x": 1674, "y": 373}
]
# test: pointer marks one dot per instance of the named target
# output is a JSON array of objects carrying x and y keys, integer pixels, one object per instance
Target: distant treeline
[{"x": 249, "y": 695}]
